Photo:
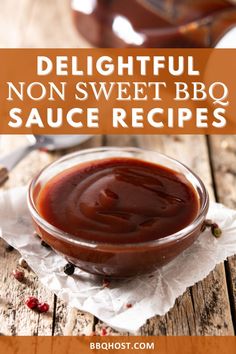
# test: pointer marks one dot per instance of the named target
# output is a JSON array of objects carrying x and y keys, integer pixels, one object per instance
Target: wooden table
[{"x": 207, "y": 308}]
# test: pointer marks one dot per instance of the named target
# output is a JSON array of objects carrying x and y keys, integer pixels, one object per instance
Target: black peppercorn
[
  {"x": 9, "y": 248},
  {"x": 69, "y": 269},
  {"x": 216, "y": 231},
  {"x": 208, "y": 222}
]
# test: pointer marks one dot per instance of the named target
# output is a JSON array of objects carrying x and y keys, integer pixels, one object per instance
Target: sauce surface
[{"x": 118, "y": 200}]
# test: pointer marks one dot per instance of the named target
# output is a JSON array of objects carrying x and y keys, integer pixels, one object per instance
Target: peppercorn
[
  {"x": 128, "y": 306},
  {"x": 208, "y": 222},
  {"x": 106, "y": 283},
  {"x": 104, "y": 332},
  {"x": 203, "y": 227},
  {"x": 69, "y": 269}
]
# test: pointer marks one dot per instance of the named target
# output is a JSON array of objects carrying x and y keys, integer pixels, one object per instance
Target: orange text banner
[
  {"x": 116, "y": 345},
  {"x": 117, "y": 91}
]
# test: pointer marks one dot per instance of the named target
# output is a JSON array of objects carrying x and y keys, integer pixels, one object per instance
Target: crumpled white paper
[{"x": 149, "y": 296}]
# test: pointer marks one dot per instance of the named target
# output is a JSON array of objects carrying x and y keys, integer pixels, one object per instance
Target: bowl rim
[{"x": 67, "y": 237}]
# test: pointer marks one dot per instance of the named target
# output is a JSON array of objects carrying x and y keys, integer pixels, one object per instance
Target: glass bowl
[{"x": 117, "y": 260}]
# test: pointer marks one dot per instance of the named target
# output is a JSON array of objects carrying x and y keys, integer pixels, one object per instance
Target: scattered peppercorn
[
  {"x": 44, "y": 244},
  {"x": 43, "y": 307},
  {"x": 32, "y": 302},
  {"x": 208, "y": 222},
  {"x": 22, "y": 262},
  {"x": 216, "y": 231},
  {"x": 36, "y": 234},
  {"x": 129, "y": 306},
  {"x": 104, "y": 332},
  {"x": 18, "y": 274},
  {"x": 9, "y": 248},
  {"x": 69, "y": 269}
]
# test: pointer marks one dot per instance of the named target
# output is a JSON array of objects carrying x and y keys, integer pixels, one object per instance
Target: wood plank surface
[
  {"x": 70, "y": 321},
  {"x": 35, "y": 23},
  {"x": 204, "y": 309}
]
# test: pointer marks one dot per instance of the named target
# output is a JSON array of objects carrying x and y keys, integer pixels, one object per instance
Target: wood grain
[
  {"x": 36, "y": 23},
  {"x": 204, "y": 309},
  {"x": 71, "y": 321},
  {"x": 15, "y": 317}
]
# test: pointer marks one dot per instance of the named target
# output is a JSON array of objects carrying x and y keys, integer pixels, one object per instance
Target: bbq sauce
[
  {"x": 154, "y": 23},
  {"x": 118, "y": 200}
]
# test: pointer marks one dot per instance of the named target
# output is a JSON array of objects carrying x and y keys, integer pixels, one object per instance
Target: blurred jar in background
[{"x": 154, "y": 23}]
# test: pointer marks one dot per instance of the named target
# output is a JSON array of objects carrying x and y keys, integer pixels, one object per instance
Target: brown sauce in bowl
[{"x": 118, "y": 200}]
